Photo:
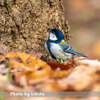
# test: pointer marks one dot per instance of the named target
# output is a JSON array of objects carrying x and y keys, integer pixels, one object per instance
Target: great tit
[{"x": 58, "y": 48}]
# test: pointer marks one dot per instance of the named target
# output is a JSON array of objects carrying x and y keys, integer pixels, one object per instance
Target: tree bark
[{"x": 24, "y": 23}]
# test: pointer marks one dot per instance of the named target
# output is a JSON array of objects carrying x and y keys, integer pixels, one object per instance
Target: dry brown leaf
[
  {"x": 33, "y": 67},
  {"x": 54, "y": 66},
  {"x": 29, "y": 61},
  {"x": 60, "y": 74},
  {"x": 54, "y": 76}
]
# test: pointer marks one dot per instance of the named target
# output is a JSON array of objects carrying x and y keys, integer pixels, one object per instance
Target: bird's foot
[{"x": 60, "y": 61}]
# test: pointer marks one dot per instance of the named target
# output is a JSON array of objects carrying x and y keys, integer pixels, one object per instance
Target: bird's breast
[{"x": 57, "y": 51}]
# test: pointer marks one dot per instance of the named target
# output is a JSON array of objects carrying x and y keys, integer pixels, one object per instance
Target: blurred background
[{"x": 84, "y": 21}]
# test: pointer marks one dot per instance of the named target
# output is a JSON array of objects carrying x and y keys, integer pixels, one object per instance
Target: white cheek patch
[{"x": 52, "y": 36}]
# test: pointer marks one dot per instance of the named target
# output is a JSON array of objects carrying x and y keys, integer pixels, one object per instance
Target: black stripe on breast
[{"x": 48, "y": 46}]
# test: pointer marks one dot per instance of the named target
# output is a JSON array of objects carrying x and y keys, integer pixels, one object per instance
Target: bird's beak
[{"x": 49, "y": 29}]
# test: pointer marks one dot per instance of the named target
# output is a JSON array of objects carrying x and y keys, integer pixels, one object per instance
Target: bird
[{"x": 58, "y": 48}]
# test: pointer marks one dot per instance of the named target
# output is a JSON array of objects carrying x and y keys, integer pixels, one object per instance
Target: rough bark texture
[{"x": 24, "y": 23}]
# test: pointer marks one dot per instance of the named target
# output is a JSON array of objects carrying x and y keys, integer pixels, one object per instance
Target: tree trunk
[{"x": 24, "y": 23}]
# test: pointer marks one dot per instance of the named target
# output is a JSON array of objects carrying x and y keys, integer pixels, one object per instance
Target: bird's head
[{"x": 55, "y": 35}]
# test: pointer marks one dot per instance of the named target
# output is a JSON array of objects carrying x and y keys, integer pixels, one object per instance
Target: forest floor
[{"x": 20, "y": 72}]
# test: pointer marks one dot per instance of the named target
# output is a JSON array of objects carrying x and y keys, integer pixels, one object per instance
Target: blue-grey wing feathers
[
  {"x": 80, "y": 54},
  {"x": 67, "y": 48}
]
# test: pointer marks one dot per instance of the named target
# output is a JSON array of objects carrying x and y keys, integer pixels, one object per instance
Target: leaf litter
[{"x": 25, "y": 72}]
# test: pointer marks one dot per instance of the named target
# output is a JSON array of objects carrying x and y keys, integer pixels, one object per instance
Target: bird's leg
[
  {"x": 60, "y": 61},
  {"x": 57, "y": 60}
]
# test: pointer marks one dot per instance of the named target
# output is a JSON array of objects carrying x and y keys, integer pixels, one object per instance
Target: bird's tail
[{"x": 80, "y": 54}]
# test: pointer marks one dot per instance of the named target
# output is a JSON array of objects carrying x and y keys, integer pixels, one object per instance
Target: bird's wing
[{"x": 67, "y": 48}]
